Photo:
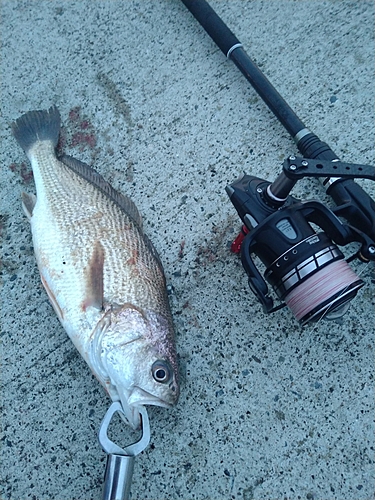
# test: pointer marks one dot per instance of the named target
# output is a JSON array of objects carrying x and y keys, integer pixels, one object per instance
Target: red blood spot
[
  {"x": 27, "y": 175},
  {"x": 77, "y": 139},
  {"x": 81, "y": 132},
  {"x": 85, "y": 124},
  {"x": 91, "y": 140},
  {"x": 23, "y": 171},
  {"x": 74, "y": 114},
  {"x": 181, "y": 251},
  {"x": 133, "y": 259},
  {"x": 81, "y": 139}
]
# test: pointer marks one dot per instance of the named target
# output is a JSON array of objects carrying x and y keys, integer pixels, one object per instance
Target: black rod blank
[
  {"x": 232, "y": 48},
  {"x": 308, "y": 143}
]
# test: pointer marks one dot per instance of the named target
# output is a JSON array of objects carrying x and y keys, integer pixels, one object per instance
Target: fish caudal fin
[{"x": 36, "y": 126}]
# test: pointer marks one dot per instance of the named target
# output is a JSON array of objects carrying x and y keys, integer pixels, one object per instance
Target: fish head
[{"x": 136, "y": 361}]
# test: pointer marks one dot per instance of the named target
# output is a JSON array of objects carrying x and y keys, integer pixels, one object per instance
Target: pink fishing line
[{"x": 320, "y": 287}]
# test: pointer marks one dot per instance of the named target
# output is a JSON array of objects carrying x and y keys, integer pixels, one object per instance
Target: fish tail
[{"x": 36, "y": 126}]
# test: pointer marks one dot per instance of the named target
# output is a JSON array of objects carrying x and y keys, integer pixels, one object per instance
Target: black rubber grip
[
  {"x": 211, "y": 22},
  {"x": 312, "y": 147}
]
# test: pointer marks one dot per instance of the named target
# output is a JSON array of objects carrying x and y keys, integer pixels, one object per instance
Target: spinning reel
[{"x": 305, "y": 268}]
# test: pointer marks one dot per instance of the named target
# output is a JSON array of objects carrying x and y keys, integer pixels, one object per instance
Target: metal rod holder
[
  {"x": 120, "y": 461},
  {"x": 118, "y": 477}
]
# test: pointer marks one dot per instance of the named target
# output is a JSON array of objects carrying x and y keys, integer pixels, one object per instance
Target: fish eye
[{"x": 161, "y": 371}]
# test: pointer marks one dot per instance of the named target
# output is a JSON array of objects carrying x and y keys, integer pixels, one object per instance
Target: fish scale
[
  {"x": 101, "y": 272},
  {"x": 105, "y": 223}
]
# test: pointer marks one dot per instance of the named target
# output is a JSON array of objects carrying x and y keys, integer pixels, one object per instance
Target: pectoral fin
[
  {"x": 95, "y": 279},
  {"x": 28, "y": 204}
]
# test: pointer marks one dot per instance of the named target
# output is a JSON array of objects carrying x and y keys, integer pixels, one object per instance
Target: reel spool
[
  {"x": 325, "y": 294},
  {"x": 322, "y": 284}
]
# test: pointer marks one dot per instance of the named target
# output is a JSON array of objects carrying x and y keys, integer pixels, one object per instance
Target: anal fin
[{"x": 28, "y": 204}]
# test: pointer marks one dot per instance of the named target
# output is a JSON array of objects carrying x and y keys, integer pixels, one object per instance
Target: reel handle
[{"x": 353, "y": 203}]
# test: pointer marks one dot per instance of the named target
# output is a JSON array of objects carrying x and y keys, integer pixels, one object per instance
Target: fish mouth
[{"x": 141, "y": 397}]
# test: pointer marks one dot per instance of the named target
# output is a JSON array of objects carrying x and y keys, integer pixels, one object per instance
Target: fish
[{"x": 103, "y": 276}]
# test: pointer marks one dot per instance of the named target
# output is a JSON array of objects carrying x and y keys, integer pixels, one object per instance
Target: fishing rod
[{"x": 306, "y": 269}]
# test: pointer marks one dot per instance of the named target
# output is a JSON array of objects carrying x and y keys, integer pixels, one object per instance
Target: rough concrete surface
[{"x": 268, "y": 410}]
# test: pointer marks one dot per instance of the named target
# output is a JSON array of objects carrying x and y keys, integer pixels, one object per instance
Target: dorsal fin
[
  {"x": 88, "y": 173},
  {"x": 154, "y": 252}
]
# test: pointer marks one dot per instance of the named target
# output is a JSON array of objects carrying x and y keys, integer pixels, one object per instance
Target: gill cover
[{"x": 124, "y": 356}]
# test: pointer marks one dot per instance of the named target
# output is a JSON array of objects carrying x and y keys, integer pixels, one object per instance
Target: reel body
[{"x": 306, "y": 269}]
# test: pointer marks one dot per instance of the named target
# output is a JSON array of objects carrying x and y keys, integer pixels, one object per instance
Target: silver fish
[{"x": 102, "y": 274}]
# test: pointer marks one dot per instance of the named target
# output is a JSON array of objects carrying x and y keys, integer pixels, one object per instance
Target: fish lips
[{"x": 140, "y": 397}]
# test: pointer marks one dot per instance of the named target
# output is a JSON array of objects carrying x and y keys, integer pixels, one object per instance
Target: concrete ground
[{"x": 268, "y": 410}]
